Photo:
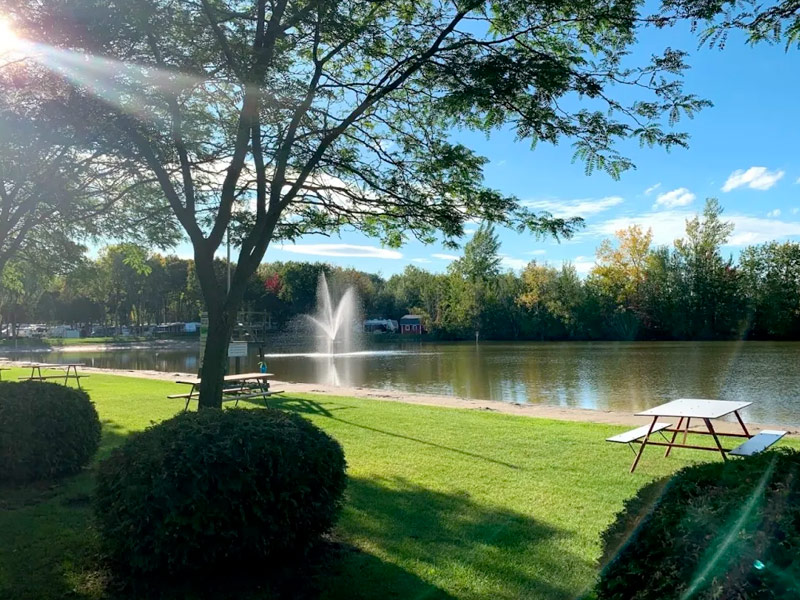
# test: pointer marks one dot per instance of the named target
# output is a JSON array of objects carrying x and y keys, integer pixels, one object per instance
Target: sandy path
[{"x": 534, "y": 410}]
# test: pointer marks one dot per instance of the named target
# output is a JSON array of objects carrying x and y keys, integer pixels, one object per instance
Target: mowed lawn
[{"x": 441, "y": 503}]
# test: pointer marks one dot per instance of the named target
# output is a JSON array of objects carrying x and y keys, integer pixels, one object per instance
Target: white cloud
[
  {"x": 514, "y": 263},
  {"x": 678, "y": 197},
  {"x": 774, "y": 213},
  {"x": 754, "y": 230},
  {"x": 583, "y": 264},
  {"x": 756, "y": 178},
  {"x": 537, "y": 252},
  {"x": 445, "y": 256},
  {"x": 574, "y": 208},
  {"x": 421, "y": 260},
  {"x": 669, "y": 225},
  {"x": 341, "y": 250},
  {"x": 652, "y": 189},
  {"x": 470, "y": 231},
  {"x": 795, "y": 210}
]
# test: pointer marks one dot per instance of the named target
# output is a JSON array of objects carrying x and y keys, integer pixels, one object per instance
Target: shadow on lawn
[
  {"x": 49, "y": 549},
  {"x": 484, "y": 551},
  {"x": 305, "y": 406},
  {"x": 418, "y": 539},
  {"x": 46, "y": 531}
]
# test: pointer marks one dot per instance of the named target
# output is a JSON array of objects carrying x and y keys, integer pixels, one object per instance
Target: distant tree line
[{"x": 689, "y": 291}]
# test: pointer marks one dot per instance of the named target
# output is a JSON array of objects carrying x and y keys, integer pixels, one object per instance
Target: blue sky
[{"x": 744, "y": 151}]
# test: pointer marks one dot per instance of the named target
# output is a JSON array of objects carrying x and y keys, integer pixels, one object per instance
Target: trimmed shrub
[
  {"x": 719, "y": 530},
  {"x": 214, "y": 487},
  {"x": 46, "y": 430}
]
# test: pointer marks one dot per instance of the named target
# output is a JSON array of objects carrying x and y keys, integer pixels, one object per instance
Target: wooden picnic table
[
  {"x": 246, "y": 386},
  {"x": 686, "y": 409},
  {"x": 70, "y": 372}
]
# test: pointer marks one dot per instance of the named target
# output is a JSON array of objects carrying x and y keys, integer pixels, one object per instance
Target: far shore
[
  {"x": 117, "y": 344},
  {"x": 542, "y": 411}
]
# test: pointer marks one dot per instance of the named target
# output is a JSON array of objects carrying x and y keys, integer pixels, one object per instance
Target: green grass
[{"x": 441, "y": 503}]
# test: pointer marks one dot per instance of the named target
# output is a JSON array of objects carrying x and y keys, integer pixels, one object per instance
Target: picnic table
[
  {"x": 70, "y": 372},
  {"x": 236, "y": 387},
  {"x": 706, "y": 411}
]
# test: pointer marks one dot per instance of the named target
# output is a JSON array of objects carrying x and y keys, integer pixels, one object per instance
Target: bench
[
  {"x": 634, "y": 435},
  {"x": 758, "y": 443},
  {"x": 241, "y": 393}
]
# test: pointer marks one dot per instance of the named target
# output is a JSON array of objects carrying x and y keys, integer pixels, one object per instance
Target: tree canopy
[{"x": 57, "y": 185}]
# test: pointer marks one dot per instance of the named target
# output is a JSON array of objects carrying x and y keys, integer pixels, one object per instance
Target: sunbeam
[
  {"x": 750, "y": 506},
  {"x": 123, "y": 85}
]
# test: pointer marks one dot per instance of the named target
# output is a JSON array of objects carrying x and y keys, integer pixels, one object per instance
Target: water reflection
[{"x": 607, "y": 376}]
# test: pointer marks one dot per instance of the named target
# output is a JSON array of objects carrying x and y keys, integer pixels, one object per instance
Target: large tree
[{"x": 277, "y": 118}]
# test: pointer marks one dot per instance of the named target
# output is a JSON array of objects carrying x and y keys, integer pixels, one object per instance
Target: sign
[{"x": 237, "y": 349}]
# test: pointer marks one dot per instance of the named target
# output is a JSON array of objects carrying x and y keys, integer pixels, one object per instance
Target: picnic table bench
[
  {"x": 686, "y": 409},
  {"x": 245, "y": 386},
  {"x": 70, "y": 372}
]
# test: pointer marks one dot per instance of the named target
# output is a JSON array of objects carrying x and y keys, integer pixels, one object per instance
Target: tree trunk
[{"x": 215, "y": 358}]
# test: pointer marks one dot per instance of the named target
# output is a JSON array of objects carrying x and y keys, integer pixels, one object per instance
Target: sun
[{"x": 9, "y": 40}]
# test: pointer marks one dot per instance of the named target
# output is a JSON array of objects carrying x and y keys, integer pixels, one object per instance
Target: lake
[{"x": 618, "y": 376}]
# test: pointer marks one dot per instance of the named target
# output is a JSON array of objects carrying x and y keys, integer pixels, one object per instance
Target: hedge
[
  {"x": 719, "y": 530},
  {"x": 215, "y": 487},
  {"x": 46, "y": 431}
]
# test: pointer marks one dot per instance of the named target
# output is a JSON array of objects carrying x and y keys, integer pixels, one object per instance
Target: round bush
[
  {"x": 719, "y": 530},
  {"x": 46, "y": 430},
  {"x": 215, "y": 487}
]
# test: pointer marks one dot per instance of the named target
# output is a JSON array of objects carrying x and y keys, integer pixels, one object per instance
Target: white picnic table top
[
  {"x": 695, "y": 408},
  {"x": 229, "y": 378}
]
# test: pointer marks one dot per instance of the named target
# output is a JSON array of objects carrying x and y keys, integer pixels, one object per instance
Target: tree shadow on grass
[
  {"x": 49, "y": 548},
  {"x": 332, "y": 570},
  {"x": 305, "y": 406},
  {"x": 46, "y": 530},
  {"x": 396, "y": 539},
  {"x": 470, "y": 549}
]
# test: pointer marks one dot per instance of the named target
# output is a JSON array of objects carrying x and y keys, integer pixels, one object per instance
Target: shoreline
[
  {"x": 541, "y": 411},
  {"x": 167, "y": 344}
]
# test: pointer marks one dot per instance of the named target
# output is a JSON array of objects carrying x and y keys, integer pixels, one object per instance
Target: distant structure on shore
[
  {"x": 381, "y": 326},
  {"x": 411, "y": 325},
  {"x": 408, "y": 325}
]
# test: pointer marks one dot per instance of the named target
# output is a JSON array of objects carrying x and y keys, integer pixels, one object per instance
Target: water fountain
[{"x": 335, "y": 326}]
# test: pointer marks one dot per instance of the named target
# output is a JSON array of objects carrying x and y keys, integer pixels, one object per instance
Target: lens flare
[{"x": 9, "y": 40}]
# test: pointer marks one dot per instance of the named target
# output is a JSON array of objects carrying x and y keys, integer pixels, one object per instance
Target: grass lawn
[{"x": 441, "y": 503}]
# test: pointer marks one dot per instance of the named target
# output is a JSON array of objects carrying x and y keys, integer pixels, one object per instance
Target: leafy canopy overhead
[
  {"x": 771, "y": 22},
  {"x": 291, "y": 117},
  {"x": 57, "y": 184}
]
